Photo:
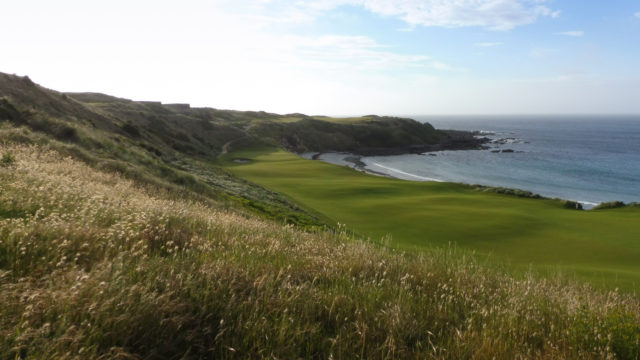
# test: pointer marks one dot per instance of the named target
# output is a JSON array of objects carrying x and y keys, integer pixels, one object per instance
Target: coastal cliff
[{"x": 367, "y": 135}]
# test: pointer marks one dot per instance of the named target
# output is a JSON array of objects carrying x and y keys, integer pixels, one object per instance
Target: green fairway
[{"x": 602, "y": 246}]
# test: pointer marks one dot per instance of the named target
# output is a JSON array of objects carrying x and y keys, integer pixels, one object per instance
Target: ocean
[{"x": 590, "y": 159}]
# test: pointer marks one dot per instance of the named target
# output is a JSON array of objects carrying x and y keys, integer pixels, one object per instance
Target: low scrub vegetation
[
  {"x": 610, "y": 205},
  {"x": 94, "y": 266},
  {"x": 507, "y": 191}
]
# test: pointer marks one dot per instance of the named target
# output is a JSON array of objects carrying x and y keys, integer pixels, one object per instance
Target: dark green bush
[
  {"x": 131, "y": 130},
  {"x": 7, "y": 159},
  {"x": 8, "y": 111},
  {"x": 65, "y": 132},
  {"x": 507, "y": 191},
  {"x": 572, "y": 205}
]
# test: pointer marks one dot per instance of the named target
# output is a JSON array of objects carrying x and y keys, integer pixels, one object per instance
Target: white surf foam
[
  {"x": 405, "y": 173},
  {"x": 588, "y": 203}
]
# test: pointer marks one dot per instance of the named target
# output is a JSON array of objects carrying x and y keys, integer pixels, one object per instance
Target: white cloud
[
  {"x": 488, "y": 44},
  {"x": 438, "y": 65},
  {"x": 538, "y": 52},
  {"x": 238, "y": 59},
  {"x": 354, "y": 53},
  {"x": 346, "y": 52},
  {"x": 637, "y": 14},
  {"x": 493, "y": 14},
  {"x": 573, "y": 33}
]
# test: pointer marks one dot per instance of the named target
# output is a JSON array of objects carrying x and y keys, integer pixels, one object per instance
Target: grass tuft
[{"x": 7, "y": 159}]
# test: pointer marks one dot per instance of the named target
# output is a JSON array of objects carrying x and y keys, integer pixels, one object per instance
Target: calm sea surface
[{"x": 587, "y": 159}]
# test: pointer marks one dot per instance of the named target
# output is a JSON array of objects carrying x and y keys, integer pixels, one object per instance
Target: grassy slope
[
  {"x": 600, "y": 245},
  {"x": 163, "y": 145},
  {"x": 95, "y": 266},
  {"x": 174, "y": 144}
]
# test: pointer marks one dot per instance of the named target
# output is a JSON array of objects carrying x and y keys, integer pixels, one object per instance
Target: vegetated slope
[
  {"x": 93, "y": 265},
  {"x": 368, "y": 135},
  {"x": 164, "y": 129},
  {"x": 599, "y": 245},
  {"x": 170, "y": 146}
]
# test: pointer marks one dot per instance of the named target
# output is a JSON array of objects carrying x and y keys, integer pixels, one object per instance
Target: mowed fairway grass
[{"x": 602, "y": 246}]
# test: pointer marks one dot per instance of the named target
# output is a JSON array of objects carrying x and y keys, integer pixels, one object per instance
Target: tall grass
[{"x": 94, "y": 266}]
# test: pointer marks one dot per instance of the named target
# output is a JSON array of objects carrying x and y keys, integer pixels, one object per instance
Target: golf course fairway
[{"x": 601, "y": 246}]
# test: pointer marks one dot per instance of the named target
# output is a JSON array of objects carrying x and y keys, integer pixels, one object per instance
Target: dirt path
[{"x": 225, "y": 147}]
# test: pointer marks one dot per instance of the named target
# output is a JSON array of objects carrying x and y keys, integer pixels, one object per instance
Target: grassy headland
[{"x": 367, "y": 135}]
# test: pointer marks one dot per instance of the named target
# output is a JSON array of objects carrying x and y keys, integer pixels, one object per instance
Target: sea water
[{"x": 590, "y": 159}]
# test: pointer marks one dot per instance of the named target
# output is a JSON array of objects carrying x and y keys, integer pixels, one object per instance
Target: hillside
[
  {"x": 367, "y": 135},
  {"x": 165, "y": 129},
  {"x": 95, "y": 266},
  {"x": 148, "y": 142},
  {"x": 126, "y": 232}
]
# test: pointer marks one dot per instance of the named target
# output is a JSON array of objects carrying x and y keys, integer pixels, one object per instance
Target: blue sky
[{"x": 337, "y": 57}]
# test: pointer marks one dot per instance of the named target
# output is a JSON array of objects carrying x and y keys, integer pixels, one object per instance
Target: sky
[{"x": 336, "y": 57}]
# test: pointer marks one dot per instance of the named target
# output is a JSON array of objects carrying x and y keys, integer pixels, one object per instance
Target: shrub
[
  {"x": 8, "y": 111},
  {"x": 572, "y": 205},
  {"x": 65, "y": 132},
  {"x": 507, "y": 191},
  {"x": 131, "y": 130}
]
